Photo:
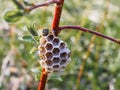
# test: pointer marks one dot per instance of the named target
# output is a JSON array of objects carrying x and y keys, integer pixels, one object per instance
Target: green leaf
[
  {"x": 55, "y": 77},
  {"x": 27, "y": 3},
  {"x": 13, "y": 16},
  {"x": 33, "y": 50},
  {"x": 36, "y": 70},
  {"x": 27, "y": 38},
  {"x": 37, "y": 77},
  {"x": 32, "y": 30},
  {"x": 37, "y": 38}
]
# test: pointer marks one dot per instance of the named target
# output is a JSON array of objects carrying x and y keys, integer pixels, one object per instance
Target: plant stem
[
  {"x": 55, "y": 24},
  {"x": 43, "y": 4},
  {"x": 85, "y": 57},
  {"x": 57, "y": 16},
  {"x": 43, "y": 80},
  {"x": 89, "y": 31}
]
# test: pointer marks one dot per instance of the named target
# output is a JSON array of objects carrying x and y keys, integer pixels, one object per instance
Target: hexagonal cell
[
  {"x": 56, "y": 67},
  {"x": 49, "y": 46},
  {"x": 56, "y": 51},
  {"x": 67, "y": 50},
  {"x": 62, "y": 68},
  {"x": 62, "y": 45},
  {"x": 43, "y": 41},
  {"x": 41, "y": 49},
  {"x": 56, "y": 60},
  {"x": 63, "y": 55},
  {"x": 49, "y": 69},
  {"x": 42, "y": 56},
  {"x": 48, "y": 62},
  {"x": 69, "y": 54},
  {"x": 63, "y": 61},
  {"x": 50, "y": 37},
  {"x": 56, "y": 41},
  {"x": 45, "y": 32},
  {"x": 42, "y": 63},
  {"x": 68, "y": 61},
  {"x": 49, "y": 55}
]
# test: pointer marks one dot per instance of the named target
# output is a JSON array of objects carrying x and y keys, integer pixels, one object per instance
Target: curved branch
[
  {"x": 43, "y": 4},
  {"x": 90, "y": 31}
]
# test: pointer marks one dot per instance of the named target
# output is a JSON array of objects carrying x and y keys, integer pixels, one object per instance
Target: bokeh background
[{"x": 95, "y": 61}]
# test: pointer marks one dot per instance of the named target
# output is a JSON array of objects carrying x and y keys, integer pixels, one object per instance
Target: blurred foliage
[{"x": 101, "y": 69}]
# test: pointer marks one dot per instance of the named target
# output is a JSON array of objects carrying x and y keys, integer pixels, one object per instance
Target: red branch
[
  {"x": 43, "y": 80},
  {"x": 57, "y": 16},
  {"x": 89, "y": 31},
  {"x": 55, "y": 25}
]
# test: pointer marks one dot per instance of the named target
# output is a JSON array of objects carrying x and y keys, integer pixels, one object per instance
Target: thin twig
[
  {"x": 43, "y": 4},
  {"x": 90, "y": 31}
]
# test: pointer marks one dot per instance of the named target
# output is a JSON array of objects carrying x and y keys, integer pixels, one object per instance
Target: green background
[{"x": 101, "y": 58}]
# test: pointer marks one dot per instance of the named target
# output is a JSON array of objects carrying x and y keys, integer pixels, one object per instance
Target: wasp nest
[{"x": 54, "y": 53}]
